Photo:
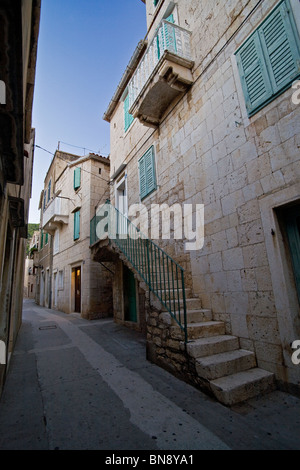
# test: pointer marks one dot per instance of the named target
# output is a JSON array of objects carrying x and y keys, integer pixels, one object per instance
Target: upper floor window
[
  {"x": 45, "y": 200},
  {"x": 49, "y": 191},
  {"x": 268, "y": 61},
  {"x": 128, "y": 118},
  {"x": 77, "y": 225},
  {"x": 77, "y": 178},
  {"x": 155, "y": 2},
  {"x": 147, "y": 173}
]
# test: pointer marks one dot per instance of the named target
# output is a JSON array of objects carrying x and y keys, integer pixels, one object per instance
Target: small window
[
  {"x": 45, "y": 200},
  {"x": 128, "y": 118},
  {"x": 46, "y": 239},
  {"x": 155, "y": 2},
  {"x": 268, "y": 61},
  {"x": 76, "y": 225},
  {"x": 77, "y": 178},
  {"x": 147, "y": 173},
  {"x": 60, "y": 280}
]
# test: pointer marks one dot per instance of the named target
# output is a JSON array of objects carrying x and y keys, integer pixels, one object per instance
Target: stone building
[
  {"x": 69, "y": 279},
  {"x": 19, "y": 28},
  {"x": 207, "y": 113}
]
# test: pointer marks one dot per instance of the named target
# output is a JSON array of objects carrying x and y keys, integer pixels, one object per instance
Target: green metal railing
[{"x": 164, "y": 277}]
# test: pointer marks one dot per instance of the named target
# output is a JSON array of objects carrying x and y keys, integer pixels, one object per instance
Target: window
[
  {"x": 76, "y": 225},
  {"x": 268, "y": 61},
  {"x": 42, "y": 240},
  {"x": 49, "y": 191},
  {"x": 46, "y": 239},
  {"x": 45, "y": 200},
  {"x": 128, "y": 118},
  {"x": 56, "y": 242},
  {"x": 77, "y": 178},
  {"x": 60, "y": 280},
  {"x": 147, "y": 173},
  {"x": 155, "y": 2}
]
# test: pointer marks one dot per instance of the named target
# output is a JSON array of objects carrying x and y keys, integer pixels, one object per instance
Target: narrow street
[{"x": 75, "y": 384}]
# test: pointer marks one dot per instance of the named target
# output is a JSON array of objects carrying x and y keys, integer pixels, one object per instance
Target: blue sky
[{"x": 83, "y": 50}]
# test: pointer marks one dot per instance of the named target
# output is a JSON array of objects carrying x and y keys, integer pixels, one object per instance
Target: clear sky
[{"x": 84, "y": 48}]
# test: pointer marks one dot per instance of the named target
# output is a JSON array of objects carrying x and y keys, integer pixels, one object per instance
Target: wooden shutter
[
  {"x": 253, "y": 72},
  {"x": 49, "y": 190},
  {"x": 292, "y": 221},
  {"x": 128, "y": 118},
  {"x": 281, "y": 48},
  {"x": 76, "y": 225},
  {"x": 268, "y": 61},
  {"x": 147, "y": 173},
  {"x": 77, "y": 178}
]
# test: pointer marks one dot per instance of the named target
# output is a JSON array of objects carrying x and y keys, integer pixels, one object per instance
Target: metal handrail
[{"x": 163, "y": 276}]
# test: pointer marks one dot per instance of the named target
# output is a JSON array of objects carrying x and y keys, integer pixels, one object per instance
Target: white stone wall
[
  {"x": 209, "y": 152},
  {"x": 70, "y": 254}
]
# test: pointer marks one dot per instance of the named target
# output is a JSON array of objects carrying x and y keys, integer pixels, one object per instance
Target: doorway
[
  {"x": 77, "y": 285},
  {"x": 129, "y": 289}
]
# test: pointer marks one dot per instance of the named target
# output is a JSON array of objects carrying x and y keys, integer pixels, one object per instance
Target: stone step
[
  {"x": 226, "y": 363},
  {"x": 241, "y": 386},
  {"x": 212, "y": 345},
  {"x": 191, "y": 304},
  {"x": 200, "y": 329},
  {"x": 170, "y": 295},
  {"x": 195, "y": 316}
]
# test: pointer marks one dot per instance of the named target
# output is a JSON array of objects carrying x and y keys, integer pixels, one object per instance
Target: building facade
[
  {"x": 207, "y": 115},
  {"x": 69, "y": 280},
  {"x": 31, "y": 266},
  {"x": 19, "y": 28}
]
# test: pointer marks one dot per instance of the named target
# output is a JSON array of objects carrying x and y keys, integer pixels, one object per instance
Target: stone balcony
[
  {"x": 56, "y": 214},
  {"x": 163, "y": 74}
]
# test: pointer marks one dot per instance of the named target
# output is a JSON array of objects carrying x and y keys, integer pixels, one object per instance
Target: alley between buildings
[{"x": 75, "y": 384}]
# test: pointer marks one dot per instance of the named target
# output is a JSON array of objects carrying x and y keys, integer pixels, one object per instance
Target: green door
[
  {"x": 130, "y": 312},
  {"x": 292, "y": 223}
]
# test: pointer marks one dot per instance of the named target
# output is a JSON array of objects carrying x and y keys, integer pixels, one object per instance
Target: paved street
[{"x": 75, "y": 384}]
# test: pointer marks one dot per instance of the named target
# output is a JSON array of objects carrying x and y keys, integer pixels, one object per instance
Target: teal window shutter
[
  {"x": 128, "y": 118},
  {"x": 76, "y": 225},
  {"x": 155, "y": 2},
  {"x": 46, "y": 238},
  {"x": 268, "y": 61},
  {"x": 253, "y": 72},
  {"x": 42, "y": 239},
  {"x": 49, "y": 191},
  {"x": 77, "y": 178},
  {"x": 147, "y": 173},
  {"x": 281, "y": 48},
  {"x": 171, "y": 18},
  {"x": 45, "y": 199}
]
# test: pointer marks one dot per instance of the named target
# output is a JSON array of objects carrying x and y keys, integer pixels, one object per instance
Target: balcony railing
[
  {"x": 169, "y": 37},
  {"x": 164, "y": 277},
  {"x": 56, "y": 212}
]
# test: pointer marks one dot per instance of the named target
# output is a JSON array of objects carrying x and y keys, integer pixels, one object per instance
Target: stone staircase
[
  {"x": 226, "y": 371},
  {"x": 223, "y": 369}
]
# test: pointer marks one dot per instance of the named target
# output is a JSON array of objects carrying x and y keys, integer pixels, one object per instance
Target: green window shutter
[
  {"x": 128, "y": 118},
  {"x": 155, "y": 2},
  {"x": 42, "y": 239},
  {"x": 46, "y": 239},
  {"x": 281, "y": 47},
  {"x": 77, "y": 178},
  {"x": 147, "y": 173},
  {"x": 49, "y": 191},
  {"x": 171, "y": 18},
  {"x": 76, "y": 225},
  {"x": 253, "y": 72}
]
